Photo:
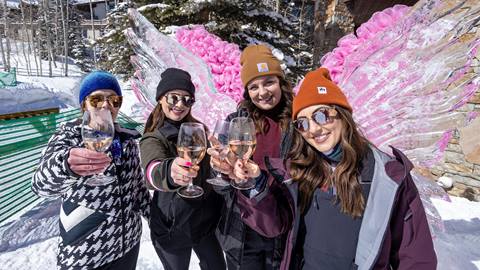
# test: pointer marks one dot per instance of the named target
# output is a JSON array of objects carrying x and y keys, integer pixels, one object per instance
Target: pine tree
[
  {"x": 241, "y": 22},
  {"x": 77, "y": 46},
  {"x": 114, "y": 49},
  {"x": 44, "y": 31},
  {"x": 301, "y": 13}
]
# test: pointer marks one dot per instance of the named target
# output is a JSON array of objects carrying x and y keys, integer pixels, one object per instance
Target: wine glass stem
[{"x": 190, "y": 185}]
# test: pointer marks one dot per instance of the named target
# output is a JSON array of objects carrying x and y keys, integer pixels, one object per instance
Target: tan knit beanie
[{"x": 256, "y": 61}]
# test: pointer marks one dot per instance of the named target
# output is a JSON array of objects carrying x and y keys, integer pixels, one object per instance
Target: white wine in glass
[
  {"x": 191, "y": 146},
  {"x": 242, "y": 141},
  {"x": 220, "y": 133},
  {"x": 194, "y": 154},
  {"x": 242, "y": 149},
  {"x": 97, "y": 134}
]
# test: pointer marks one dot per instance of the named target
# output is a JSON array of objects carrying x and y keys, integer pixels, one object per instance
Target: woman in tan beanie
[
  {"x": 267, "y": 100},
  {"x": 351, "y": 206}
]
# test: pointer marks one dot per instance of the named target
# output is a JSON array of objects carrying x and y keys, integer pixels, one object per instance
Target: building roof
[{"x": 87, "y": 2}]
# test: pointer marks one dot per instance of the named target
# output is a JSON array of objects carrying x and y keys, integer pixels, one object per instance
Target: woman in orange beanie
[
  {"x": 351, "y": 206},
  {"x": 267, "y": 100}
]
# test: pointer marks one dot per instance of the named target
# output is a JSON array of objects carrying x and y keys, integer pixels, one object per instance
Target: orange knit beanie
[
  {"x": 318, "y": 88},
  {"x": 256, "y": 61}
]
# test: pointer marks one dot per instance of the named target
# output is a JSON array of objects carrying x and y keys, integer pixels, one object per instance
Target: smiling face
[
  {"x": 177, "y": 111},
  {"x": 322, "y": 137},
  {"x": 105, "y": 104},
  {"x": 265, "y": 92}
]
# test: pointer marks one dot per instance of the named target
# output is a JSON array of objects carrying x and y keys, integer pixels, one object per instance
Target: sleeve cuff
[
  {"x": 171, "y": 184},
  {"x": 158, "y": 175},
  {"x": 260, "y": 184}
]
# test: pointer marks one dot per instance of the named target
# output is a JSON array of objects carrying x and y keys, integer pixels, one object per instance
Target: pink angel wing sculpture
[
  {"x": 154, "y": 53},
  {"x": 406, "y": 73},
  {"x": 222, "y": 58}
]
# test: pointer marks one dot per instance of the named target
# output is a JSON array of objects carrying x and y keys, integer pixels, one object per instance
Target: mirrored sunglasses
[
  {"x": 96, "y": 101},
  {"x": 321, "y": 117},
  {"x": 173, "y": 99}
]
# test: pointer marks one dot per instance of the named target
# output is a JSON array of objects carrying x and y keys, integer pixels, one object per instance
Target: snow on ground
[
  {"x": 457, "y": 247},
  {"x": 35, "y": 232}
]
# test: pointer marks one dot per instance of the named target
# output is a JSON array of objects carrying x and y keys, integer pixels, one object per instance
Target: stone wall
[{"x": 461, "y": 161}]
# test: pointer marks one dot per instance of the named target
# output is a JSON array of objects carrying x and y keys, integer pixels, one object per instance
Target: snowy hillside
[{"x": 42, "y": 92}]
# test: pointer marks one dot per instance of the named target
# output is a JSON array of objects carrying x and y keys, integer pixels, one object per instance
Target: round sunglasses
[
  {"x": 173, "y": 99},
  {"x": 322, "y": 116}
]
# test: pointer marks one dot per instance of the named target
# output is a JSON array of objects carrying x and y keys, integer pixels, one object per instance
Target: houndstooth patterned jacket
[{"x": 97, "y": 224}]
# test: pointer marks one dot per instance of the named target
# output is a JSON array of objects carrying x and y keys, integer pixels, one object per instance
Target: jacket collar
[
  {"x": 169, "y": 131},
  {"x": 126, "y": 133},
  {"x": 378, "y": 210}
]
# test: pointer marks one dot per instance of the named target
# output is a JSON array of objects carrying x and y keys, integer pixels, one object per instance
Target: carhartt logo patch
[
  {"x": 262, "y": 67},
  {"x": 322, "y": 90}
]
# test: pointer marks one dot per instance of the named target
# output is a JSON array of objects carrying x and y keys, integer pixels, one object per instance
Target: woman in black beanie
[{"x": 177, "y": 224}]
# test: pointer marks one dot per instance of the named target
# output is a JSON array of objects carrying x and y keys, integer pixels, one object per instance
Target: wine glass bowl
[
  {"x": 191, "y": 146},
  {"x": 242, "y": 142},
  {"x": 220, "y": 133},
  {"x": 97, "y": 134}
]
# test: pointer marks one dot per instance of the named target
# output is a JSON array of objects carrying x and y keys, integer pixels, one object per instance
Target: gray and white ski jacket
[{"x": 98, "y": 224}]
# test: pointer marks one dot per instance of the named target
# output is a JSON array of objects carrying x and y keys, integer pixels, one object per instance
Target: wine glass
[
  {"x": 220, "y": 133},
  {"x": 97, "y": 133},
  {"x": 242, "y": 142},
  {"x": 191, "y": 146}
]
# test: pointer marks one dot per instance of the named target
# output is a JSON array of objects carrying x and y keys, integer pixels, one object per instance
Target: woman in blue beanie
[
  {"x": 100, "y": 226},
  {"x": 177, "y": 224}
]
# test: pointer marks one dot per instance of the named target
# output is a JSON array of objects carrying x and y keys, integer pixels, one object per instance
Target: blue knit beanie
[{"x": 97, "y": 80}]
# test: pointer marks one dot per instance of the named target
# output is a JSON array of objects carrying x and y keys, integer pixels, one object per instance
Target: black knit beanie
[{"x": 174, "y": 78}]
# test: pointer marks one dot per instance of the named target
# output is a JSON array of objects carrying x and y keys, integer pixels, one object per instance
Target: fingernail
[{"x": 188, "y": 163}]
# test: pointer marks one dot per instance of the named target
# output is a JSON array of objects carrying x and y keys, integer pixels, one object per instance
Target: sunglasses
[
  {"x": 322, "y": 116},
  {"x": 173, "y": 99},
  {"x": 96, "y": 101}
]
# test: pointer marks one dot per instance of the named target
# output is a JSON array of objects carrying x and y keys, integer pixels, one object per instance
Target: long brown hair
[
  {"x": 259, "y": 118},
  {"x": 157, "y": 118},
  {"x": 311, "y": 171}
]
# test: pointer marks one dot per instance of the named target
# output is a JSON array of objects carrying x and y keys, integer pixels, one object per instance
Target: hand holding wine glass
[
  {"x": 182, "y": 171},
  {"x": 242, "y": 142},
  {"x": 191, "y": 146},
  {"x": 245, "y": 169},
  {"x": 97, "y": 133},
  {"x": 85, "y": 162}
]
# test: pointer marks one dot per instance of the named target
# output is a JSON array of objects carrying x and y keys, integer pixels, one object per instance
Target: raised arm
[
  {"x": 156, "y": 162},
  {"x": 53, "y": 176},
  {"x": 269, "y": 208}
]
